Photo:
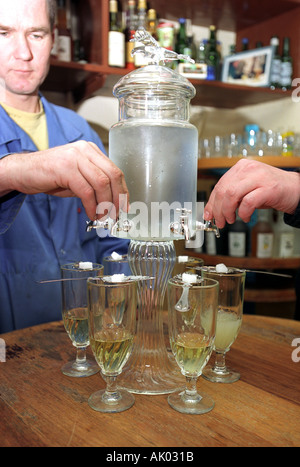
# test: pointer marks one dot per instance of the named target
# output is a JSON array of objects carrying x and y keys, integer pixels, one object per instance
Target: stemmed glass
[
  {"x": 229, "y": 321},
  {"x": 192, "y": 309},
  {"x": 75, "y": 315},
  {"x": 112, "y": 325}
]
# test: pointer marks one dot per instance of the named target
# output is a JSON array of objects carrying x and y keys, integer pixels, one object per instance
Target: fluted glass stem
[{"x": 150, "y": 369}]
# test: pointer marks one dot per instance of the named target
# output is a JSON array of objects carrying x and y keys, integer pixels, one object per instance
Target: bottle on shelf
[
  {"x": 181, "y": 42},
  {"x": 131, "y": 25},
  {"x": 245, "y": 44},
  {"x": 201, "y": 59},
  {"x": 284, "y": 238},
  {"x": 288, "y": 139},
  {"x": 139, "y": 59},
  {"x": 213, "y": 55},
  {"x": 262, "y": 235},
  {"x": 238, "y": 238},
  {"x": 190, "y": 49},
  {"x": 166, "y": 35},
  {"x": 251, "y": 137},
  {"x": 152, "y": 23},
  {"x": 276, "y": 63},
  {"x": 64, "y": 37},
  {"x": 286, "y": 75},
  {"x": 232, "y": 49},
  {"x": 116, "y": 38}
]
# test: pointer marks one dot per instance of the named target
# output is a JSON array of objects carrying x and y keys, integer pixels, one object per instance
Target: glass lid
[{"x": 155, "y": 78}]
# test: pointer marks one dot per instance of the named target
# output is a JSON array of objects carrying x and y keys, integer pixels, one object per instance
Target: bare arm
[
  {"x": 251, "y": 185},
  {"x": 79, "y": 169}
]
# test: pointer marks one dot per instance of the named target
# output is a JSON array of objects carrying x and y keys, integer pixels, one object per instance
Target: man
[{"x": 49, "y": 158}]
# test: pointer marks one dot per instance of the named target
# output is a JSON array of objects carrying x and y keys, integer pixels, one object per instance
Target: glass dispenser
[{"x": 157, "y": 149}]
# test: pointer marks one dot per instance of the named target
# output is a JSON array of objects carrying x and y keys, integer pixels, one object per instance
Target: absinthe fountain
[{"x": 157, "y": 149}]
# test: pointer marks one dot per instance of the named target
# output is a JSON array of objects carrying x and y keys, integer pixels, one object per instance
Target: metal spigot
[
  {"x": 181, "y": 227},
  {"x": 99, "y": 224},
  {"x": 208, "y": 226},
  {"x": 109, "y": 224}
]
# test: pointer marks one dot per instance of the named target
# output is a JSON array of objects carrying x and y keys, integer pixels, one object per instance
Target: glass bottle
[
  {"x": 181, "y": 42},
  {"x": 245, "y": 44},
  {"x": 286, "y": 66},
  {"x": 237, "y": 238},
  {"x": 64, "y": 50},
  {"x": 116, "y": 38},
  {"x": 130, "y": 32},
  {"x": 251, "y": 135},
  {"x": 262, "y": 236},
  {"x": 284, "y": 236},
  {"x": 152, "y": 23},
  {"x": 139, "y": 59},
  {"x": 201, "y": 59},
  {"x": 213, "y": 56},
  {"x": 276, "y": 63}
]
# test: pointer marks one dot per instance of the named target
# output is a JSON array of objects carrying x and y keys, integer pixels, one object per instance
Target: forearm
[{"x": 5, "y": 176}]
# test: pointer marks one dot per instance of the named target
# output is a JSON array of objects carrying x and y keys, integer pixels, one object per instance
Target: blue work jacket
[{"x": 39, "y": 233}]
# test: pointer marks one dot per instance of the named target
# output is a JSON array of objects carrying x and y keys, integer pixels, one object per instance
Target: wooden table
[{"x": 41, "y": 407}]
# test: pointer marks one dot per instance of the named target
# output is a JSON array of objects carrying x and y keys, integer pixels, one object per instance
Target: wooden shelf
[
  {"x": 270, "y": 295},
  {"x": 267, "y": 264},
  {"x": 232, "y": 15},
  {"x": 84, "y": 79},
  {"x": 79, "y": 79},
  {"x": 228, "y": 162},
  {"x": 231, "y": 96}
]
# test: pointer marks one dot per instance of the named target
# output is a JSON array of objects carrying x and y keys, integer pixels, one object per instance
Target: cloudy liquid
[
  {"x": 160, "y": 165},
  {"x": 228, "y": 326}
]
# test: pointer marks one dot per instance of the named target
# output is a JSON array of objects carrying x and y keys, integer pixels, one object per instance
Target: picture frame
[{"x": 249, "y": 68}]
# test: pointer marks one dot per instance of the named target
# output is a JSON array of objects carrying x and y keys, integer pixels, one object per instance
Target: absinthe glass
[
  {"x": 229, "y": 321},
  {"x": 75, "y": 315},
  {"x": 112, "y": 326},
  {"x": 192, "y": 312}
]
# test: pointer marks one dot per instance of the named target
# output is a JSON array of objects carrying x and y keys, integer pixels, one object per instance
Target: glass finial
[{"x": 151, "y": 49}]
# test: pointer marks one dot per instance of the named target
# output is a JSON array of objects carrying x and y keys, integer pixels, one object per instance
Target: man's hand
[
  {"x": 78, "y": 169},
  {"x": 251, "y": 185}
]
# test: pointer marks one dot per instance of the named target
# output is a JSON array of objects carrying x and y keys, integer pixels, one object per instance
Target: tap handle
[{"x": 208, "y": 226}]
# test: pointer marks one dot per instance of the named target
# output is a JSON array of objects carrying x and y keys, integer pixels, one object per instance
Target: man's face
[{"x": 25, "y": 45}]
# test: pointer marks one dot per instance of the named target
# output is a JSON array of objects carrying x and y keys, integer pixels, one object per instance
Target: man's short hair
[{"x": 52, "y": 12}]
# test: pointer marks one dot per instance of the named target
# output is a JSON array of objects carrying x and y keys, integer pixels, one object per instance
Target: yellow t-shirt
[{"x": 34, "y": 124}]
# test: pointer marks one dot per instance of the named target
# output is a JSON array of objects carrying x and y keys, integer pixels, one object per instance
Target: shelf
[
  {"x": 79, "y": 79},
  {"x": 270, "y": 295},
  {"x": 231, "y": 96},
  {"x": 228, "y": 162},
  {"x": 248, "y": 262},
  {"x": 231, "y": 15},
  {"x": 84, "y": 79}
]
